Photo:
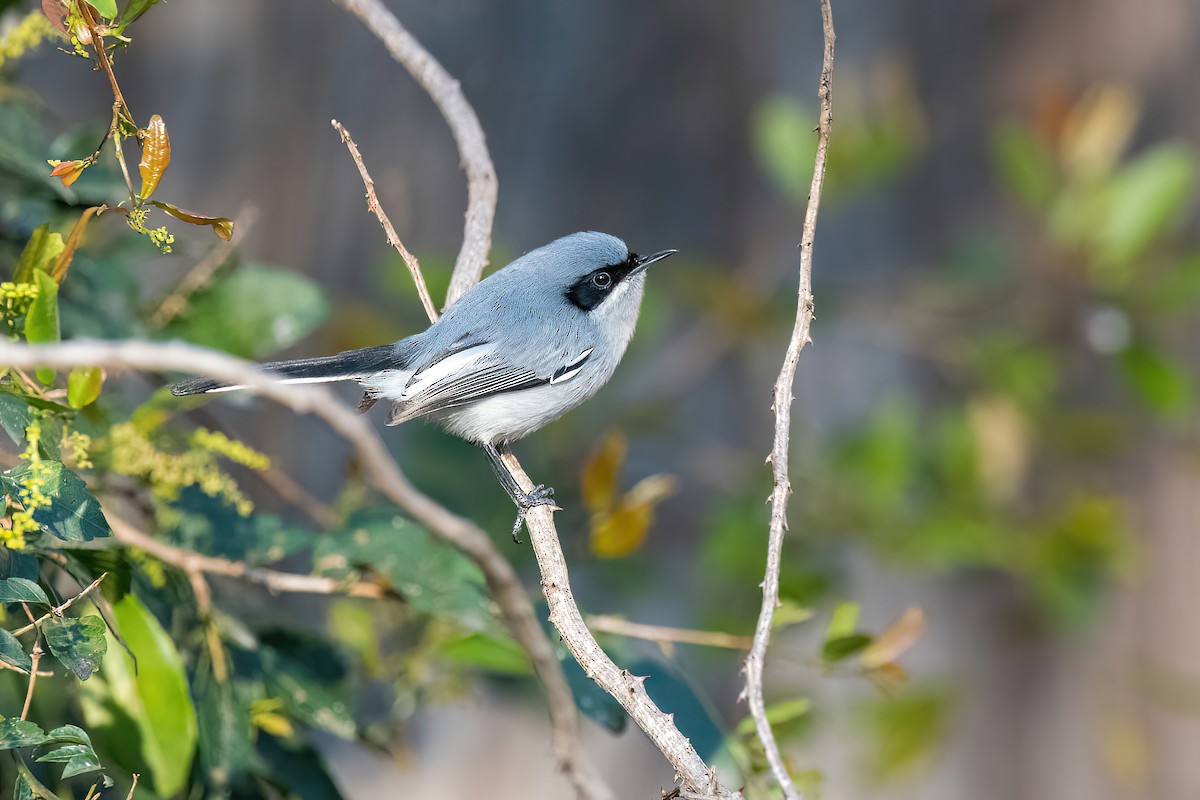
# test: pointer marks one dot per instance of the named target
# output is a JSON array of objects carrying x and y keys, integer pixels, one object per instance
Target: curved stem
[{"x": 782, "y": 406}]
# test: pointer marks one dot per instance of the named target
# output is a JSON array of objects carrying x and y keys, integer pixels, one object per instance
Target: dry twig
[
  {"x": 196, "y": 565},
  {"x": 447, "y": 94},
  {"x": 388, "y": 229},
  {"x": 657, "y": 633},
  {"x": 627, "y": 689},
  {"x": 782, "y": 406}
]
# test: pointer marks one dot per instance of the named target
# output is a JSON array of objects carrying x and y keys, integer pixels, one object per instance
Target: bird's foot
[{"x": 540, "y": 496}]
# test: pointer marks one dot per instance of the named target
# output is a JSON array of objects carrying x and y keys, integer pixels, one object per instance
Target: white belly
[{"x": 512, "y": 415}]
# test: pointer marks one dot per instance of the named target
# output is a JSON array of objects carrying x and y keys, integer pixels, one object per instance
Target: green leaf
[
  {"x": 68, "y": 734},
  {"x": 39, "y": 255},
  {"x": 15, "y": 416},
  {"x": 1025, "y": 164},
  {"x": 1144, "y": 199},
  {"x": 41, "y": 323},
  {"x": 83, "y": 386},
  {"x": 904, "y": 732},
  {"x": 778, "y": 714},
  {"x": 493, "y": 653},
  {"x": 133, "y": 11},
  {"x": 72, "y": 515},
  {"x": 105, "y": 8},
  {"x": 14, "y": 564},
  {"x": 155, "y": 694},
  {"x": 254, "y": 312},
  {"x": 843, "y": 647},
  {"x": 21, "y": 590},
  {"x": 790, "y": 613},
  {"x": 16, "y": 733},
  {"x": 305, "y": 696},
  {"x": 1163, "y": 383},
  {"x": 784, "y": 143},
  {"x": 843, "y": 622},
  {"x": 22, "y": 789},
  {"x": 431, "y": 575},
  {"x": 79, "y": 643},
  {"x": 77, "y": 758},
  {"x": 11, "y": 651},
  {"x": 226, "y": 739}
]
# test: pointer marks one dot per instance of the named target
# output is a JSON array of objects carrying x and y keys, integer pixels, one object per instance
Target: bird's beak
[{"x": 644, "y": 261}]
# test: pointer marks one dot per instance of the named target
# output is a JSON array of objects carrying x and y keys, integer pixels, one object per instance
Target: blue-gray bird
[{"x": 514, "y": 353}]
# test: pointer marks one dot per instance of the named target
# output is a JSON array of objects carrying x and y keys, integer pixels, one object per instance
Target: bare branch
[
  {"x": 627, "y": 689},
  {"x": 389, "y": 231},
  {"x": 193, "y": 563},
  {"x": 379, "y": 469},
  {"x": 658, "y": 633},
  {"x": 464, "y": 125},
  {"x": 782, "y": 405}
]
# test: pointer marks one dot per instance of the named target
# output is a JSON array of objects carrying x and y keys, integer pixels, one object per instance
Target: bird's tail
[{"x": 347, "y": 366}]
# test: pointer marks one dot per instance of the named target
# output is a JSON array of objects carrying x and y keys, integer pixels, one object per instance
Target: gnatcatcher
[{"x": 514, "y": 353}]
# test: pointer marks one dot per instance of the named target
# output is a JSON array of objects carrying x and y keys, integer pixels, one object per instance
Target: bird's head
[{"x": 594, "y": 272}]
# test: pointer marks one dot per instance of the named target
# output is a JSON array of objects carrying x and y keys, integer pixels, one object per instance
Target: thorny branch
[
  {"x": 627, "y": 689},
  {"x": 447, "y": 94},
  {"x": 379, "y": 470},
  {"x": 782, "y": 406}
]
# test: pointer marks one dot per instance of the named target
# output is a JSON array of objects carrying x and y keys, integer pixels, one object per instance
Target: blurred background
[{"x": 996, "y": 422}]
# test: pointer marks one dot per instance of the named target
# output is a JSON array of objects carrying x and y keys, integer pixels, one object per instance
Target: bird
[{"x": 515, "y": 352}]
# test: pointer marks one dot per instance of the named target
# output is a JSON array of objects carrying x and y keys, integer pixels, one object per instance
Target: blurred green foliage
[{"x": 1053, "y": 345}]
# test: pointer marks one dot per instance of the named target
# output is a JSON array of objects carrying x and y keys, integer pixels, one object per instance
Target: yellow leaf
[
  {"x": 69, "y": 171},
  {"x": 274, "y": 724},
  {"x": 1003, "y": 440},
  {"x": 894, "y": 642},
  {"x": 1097, "y": 129},
  {"x": 599, "y": 478},
  {"x": 624, "y": 530},
  {"x": 888, "y": 678},
  {"x": 156, "y": 155}
]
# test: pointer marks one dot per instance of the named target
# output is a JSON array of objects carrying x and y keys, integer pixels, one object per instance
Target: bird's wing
[{"x": 472, "y": 372}]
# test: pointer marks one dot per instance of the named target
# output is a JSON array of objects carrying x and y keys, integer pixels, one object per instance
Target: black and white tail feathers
[{"x": 346, "y": 366}]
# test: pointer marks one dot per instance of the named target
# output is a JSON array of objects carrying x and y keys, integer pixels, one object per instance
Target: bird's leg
[{"x": 540, "y": 496}]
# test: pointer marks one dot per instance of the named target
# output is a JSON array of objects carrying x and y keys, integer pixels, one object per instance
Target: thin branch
[
  {"x": 379, "y": 469},
  {"x": 627, "y": 689},
  {"x": 464, "y": 125},
  {"x": 198, "y": 564},
  {"x": 388, "y": 230},
  {"x": 661, "y": 634},
  {"x": 57, "y": 611},
  {"x": 35, "y": 659},
  {"x": 782, "y": 406}
]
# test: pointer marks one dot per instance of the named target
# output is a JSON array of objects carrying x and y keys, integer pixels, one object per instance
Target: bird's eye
[{"x": 602, "y": 280}]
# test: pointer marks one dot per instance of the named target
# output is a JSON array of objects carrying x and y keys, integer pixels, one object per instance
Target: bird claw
[{"x": 540, "y": 495}]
